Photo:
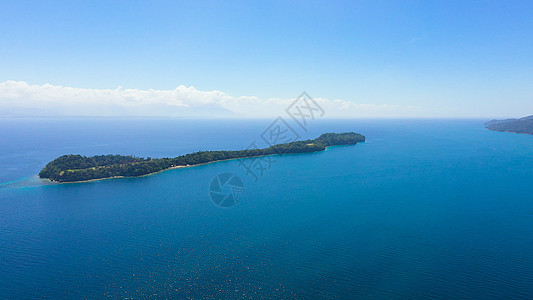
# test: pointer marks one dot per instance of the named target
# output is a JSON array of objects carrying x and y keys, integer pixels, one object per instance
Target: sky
[{"x": 392, "y": 59}]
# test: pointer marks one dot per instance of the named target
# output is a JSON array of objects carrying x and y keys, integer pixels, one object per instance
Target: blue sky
[{"x": 445, "y": 58}]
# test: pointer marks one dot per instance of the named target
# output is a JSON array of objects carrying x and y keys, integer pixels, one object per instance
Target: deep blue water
[{"x": 424, "y": 209}]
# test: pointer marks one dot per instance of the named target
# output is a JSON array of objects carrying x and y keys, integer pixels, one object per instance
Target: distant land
[
  {"x": 523, "y": 125},
  {"x": 76, "y": 168}
]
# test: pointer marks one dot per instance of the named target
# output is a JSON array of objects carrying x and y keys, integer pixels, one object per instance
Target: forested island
[
  {"x": 75, "y": 168},
  {"x": 523, "y": 125}
]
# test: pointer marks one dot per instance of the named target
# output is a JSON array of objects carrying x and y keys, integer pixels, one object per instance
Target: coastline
[
  {"x": 508, "y": 131},
  {"x": 116, "y": 177},
  {"x": 182, "y": 167}
]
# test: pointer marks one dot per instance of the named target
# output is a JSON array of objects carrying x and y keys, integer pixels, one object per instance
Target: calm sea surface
[{"x": 424, "y": 209}]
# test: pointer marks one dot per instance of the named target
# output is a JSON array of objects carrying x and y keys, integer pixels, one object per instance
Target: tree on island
[{"x": 72, "y": 168}]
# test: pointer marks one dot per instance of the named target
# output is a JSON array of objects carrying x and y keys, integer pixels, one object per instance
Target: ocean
[{"x": 439, "y": 209}]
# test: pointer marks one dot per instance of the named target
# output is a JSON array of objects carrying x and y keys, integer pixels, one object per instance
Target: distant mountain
[{"x": 523, "y": 125}]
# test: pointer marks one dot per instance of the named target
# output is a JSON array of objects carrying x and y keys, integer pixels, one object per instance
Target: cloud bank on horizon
[{"x": 21, "y": 99}]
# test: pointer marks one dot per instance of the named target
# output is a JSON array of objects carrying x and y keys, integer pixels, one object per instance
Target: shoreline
[
  {"x": 509, "y": 131},
  {"x": 182, "y": 167}
]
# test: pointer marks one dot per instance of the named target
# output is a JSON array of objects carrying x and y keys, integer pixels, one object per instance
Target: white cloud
[{"x": 18, "y": 98}]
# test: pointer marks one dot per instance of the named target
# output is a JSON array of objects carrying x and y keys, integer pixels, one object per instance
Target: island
[
  {"x": 76, "y": 168},
  {"x": 523, "y": 125}
]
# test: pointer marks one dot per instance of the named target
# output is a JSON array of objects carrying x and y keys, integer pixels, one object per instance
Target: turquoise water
[{"x": 423, "y": 209}]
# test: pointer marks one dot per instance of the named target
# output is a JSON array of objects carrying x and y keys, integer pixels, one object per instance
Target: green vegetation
[
  {"x": 72, "y": 168},
  {"x": 523, "y": 125}
]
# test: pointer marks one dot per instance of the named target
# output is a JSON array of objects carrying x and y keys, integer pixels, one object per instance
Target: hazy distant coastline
[{"x": 522, "y": 125}]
